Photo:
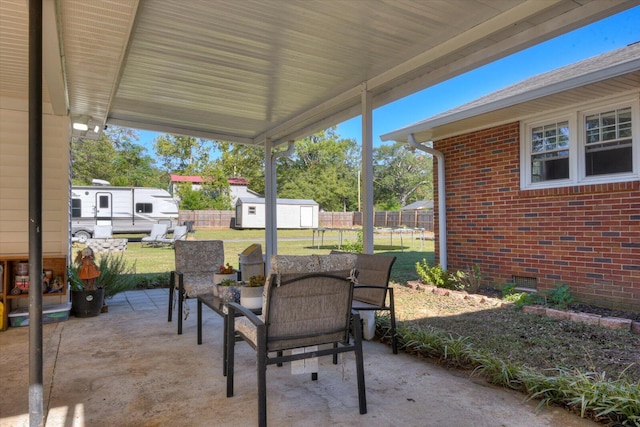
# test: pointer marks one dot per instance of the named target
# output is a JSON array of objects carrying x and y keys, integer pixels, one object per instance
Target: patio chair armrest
[
  {"x": 246, "y": 312},
  {"x": 389, "y": 288}
]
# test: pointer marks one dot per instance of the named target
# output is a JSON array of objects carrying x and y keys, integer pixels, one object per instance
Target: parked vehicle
[{"x": 126, "y": 209}]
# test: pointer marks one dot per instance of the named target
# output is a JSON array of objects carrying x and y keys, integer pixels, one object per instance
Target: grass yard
[{"x": 157, "y": 262}]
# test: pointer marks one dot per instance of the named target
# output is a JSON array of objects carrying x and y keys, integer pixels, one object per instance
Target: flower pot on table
[{"x": 251, "y": 296}]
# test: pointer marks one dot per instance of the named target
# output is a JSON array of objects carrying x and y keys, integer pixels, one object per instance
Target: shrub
[
  {"x": 560, "y": 296},
  {"x": 441, "y": 278},
  {"x": 353, "y": 246}
]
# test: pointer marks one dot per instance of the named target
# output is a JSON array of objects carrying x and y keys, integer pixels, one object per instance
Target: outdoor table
[{"x": 220, "y": 308}]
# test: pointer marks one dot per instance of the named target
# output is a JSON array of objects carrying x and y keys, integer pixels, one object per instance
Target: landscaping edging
[{"x": 553, "y": 313}]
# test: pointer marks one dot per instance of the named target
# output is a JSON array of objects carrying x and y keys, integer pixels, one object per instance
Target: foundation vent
[{"x": 525, "y": 284}]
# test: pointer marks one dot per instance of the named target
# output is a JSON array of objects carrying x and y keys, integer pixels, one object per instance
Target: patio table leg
[{"x": 224, "y": 344}]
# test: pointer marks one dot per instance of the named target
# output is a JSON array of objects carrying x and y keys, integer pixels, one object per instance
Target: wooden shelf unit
[{"x": 56, "y": 263}]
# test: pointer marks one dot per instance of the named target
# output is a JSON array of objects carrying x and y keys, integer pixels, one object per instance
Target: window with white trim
[{"x": 598, "y": 145}]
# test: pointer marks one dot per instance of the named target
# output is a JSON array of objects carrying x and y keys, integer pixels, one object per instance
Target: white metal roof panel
[{"x": 247, "y": 70}]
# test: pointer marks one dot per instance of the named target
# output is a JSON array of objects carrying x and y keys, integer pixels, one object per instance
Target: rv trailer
[{"x": 126, "y": 209}]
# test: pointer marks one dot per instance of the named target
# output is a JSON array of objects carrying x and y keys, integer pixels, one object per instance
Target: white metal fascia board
[{"x": 551, "y": 89}]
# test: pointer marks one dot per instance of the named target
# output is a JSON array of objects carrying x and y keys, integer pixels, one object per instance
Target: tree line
[{"x": 324, "y": 167}]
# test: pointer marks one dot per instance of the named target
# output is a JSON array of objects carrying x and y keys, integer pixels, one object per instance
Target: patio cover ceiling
[{"x": 244, "y": 71}]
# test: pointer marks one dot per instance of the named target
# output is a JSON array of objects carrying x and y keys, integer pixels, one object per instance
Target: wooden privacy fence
[{"x": 385, "y": 219}]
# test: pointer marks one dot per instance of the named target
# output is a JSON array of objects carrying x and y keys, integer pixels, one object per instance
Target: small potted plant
[
  {"x": 251, "y": 292},
  {"x": 91, "y": 284},
  {"x": 225, "y": 272},
  {"x": 229, "y": 290}
]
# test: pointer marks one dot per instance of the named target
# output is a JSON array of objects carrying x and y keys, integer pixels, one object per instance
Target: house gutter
[{"x": 442, "y": 197}]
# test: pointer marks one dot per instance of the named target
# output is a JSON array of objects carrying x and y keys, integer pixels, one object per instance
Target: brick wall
[{"x": 587, "y": 237}]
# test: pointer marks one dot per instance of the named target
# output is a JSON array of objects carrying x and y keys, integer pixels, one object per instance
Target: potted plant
[
  {"x": 225, "y": 272},
  {"x": 251, "y": 292},
  {"x": 115, "y": 276},
  {"x": 91, "y": 283},
  {"x": 228, "y": 290}
]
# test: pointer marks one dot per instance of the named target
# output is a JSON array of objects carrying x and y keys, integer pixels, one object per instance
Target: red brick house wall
[{"x": 587, "y": 237}]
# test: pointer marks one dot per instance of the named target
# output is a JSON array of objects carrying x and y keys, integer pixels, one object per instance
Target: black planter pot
[{"x": 87, "y": 303}]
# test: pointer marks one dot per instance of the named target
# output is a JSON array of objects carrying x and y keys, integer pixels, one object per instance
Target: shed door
[{"x": 306, "y": 216}]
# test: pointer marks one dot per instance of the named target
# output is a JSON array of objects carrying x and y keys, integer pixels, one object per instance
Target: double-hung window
[{"x": 591, "y": 146}]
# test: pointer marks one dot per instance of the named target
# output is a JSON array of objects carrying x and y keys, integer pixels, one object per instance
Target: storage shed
[{"x": 291, "y": 213}]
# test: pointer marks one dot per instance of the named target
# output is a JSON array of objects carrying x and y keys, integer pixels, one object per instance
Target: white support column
[
  {"x": 271, "y": 225},
  {"x": 367, "y": 171}
]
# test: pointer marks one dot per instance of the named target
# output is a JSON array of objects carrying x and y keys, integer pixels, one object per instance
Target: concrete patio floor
[{"x": 128, "y": 367}]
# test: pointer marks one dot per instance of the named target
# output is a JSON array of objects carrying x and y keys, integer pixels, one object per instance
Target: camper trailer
[
  {"x": 126, "y": 209},
  {"x": 291, "y": 213}
]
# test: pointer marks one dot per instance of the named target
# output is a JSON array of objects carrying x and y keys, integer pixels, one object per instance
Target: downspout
[
  {"x": 272, "y": 224},
  {"x": 442, "y": 197}
]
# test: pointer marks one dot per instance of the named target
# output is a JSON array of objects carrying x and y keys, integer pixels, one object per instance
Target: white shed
[{"x": 291, "y": 213}]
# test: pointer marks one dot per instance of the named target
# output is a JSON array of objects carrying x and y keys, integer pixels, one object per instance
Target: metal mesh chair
[
  {"x": 301, "y": 310},
  {"x": 196, "y": 261}
]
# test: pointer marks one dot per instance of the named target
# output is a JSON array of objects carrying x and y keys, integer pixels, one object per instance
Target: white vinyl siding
[{"x": 14, "y": 184}]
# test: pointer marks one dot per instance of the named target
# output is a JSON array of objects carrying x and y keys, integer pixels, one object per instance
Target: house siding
[
  {"x": 587, "y": 237},
  {"x": 14, "y": 184}
]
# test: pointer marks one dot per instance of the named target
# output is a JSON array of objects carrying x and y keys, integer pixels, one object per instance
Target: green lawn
[{"x": 157, "y": 262}]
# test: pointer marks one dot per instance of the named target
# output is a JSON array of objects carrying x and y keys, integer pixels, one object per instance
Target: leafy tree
[
  {"x": 323, "y": 168},
  {"x": 116, "y": 158},
  {"x": 183, "y": 155},
  {"x": 400, "y": 176},
  {"x": 246, "y": 161}
]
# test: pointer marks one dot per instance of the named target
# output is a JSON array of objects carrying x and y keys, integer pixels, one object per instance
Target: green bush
[
  {"x": 353, "y": 246},
  {"x": 560, "y": 296},
  {"x": 441, "y": 278},
  {"x": 510, "y": 294}
]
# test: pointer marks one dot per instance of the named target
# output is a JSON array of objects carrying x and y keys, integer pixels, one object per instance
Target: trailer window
[
  {"x": 76, "y": 208},
  {"x": 252, "y": 210},
  {"x": 144, "y": 207},
  {"x": 103, "y": 201}
]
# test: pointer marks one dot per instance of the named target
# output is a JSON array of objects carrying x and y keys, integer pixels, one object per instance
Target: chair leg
[
  {"x": 262, "y": 376},
  {"x": 180, "y": 302},
  {"x": 357, "y": 340},
  {"x": 172, "y": 286},
  {"x": 230, "y": 352},
  {"x": 392, "y": 313}
]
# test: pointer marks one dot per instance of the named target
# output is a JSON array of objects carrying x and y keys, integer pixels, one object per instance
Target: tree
[
  {"x": 183, "y": 155},
  {"x": 323, "y": 168},
  {"x": 401, "y": 176},
  {"x": 114, "y": 157},
  {"x": 246, "y": 161}
]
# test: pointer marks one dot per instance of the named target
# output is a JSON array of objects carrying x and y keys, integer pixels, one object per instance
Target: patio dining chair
[
  {"x": 196, "y": 261},
  {"x": 300, "y": 310},
  {"x": 158, "y": 232},
  {"x": 371, "y": 290}
]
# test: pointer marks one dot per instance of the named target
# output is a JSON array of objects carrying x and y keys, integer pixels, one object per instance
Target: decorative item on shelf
[
  {"x": 229, "y": 290},
  {"x": 21, "y": 278},
  {"x": 91, "y": 284},
  {"x": 225, "y": 272},
  {"x": 251, "y": 292}
]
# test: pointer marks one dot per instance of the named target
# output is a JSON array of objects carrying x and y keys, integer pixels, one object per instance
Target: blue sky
[{"x": 612, "y": 33}]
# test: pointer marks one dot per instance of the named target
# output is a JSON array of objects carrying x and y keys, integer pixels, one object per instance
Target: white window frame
[{"x": 577, "y": 167}]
